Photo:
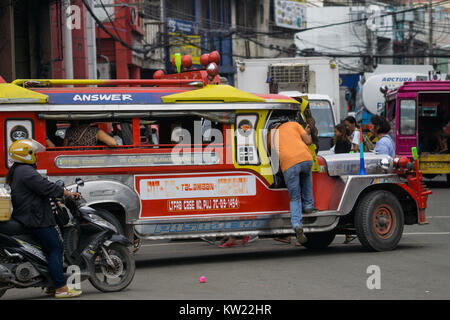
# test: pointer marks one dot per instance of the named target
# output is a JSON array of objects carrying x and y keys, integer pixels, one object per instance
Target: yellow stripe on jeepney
[
  {"x": 212, "y": 93},
  {"x": 10, "y": 93},
  {"x": 58, "y": 82}
]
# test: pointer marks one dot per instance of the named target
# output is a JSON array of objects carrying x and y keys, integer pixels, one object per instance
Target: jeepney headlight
[{"x": 386, "y": 163}]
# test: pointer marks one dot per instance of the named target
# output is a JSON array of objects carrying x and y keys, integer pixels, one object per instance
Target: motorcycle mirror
[
  {"x": 60, "y": 183},
  {"x": 79, "y": 182}
]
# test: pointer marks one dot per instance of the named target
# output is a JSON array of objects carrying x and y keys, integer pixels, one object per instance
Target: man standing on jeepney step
[{"x": 291, "y": 143}]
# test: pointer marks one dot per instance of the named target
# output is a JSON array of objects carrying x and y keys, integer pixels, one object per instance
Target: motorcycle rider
[{"x": 30, "y": 193}]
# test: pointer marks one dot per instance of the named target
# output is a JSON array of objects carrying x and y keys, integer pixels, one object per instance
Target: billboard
[
  {"x": 290, "y": 14},
  {"x": 184, "y": 38}
]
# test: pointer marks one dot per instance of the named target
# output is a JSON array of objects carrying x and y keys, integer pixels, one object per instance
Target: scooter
[{"x": 93, "y": 250}]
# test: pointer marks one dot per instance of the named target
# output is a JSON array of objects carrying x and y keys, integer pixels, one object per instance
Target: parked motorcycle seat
[{"x": 13, "y": 227}]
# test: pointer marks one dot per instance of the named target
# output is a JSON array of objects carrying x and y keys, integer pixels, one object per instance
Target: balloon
[
  {"x": 214, "y": 57},
  {"x": 186, "y": 61},
  {"x": 204, "y": 59},
  {"x": 158, "y": 74}
]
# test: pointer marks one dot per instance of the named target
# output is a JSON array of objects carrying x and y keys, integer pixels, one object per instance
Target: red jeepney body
[{"x": 161, "y": 186}]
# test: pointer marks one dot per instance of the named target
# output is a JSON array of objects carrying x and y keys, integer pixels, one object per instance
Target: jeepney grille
[{"x": 289, "y": 74}]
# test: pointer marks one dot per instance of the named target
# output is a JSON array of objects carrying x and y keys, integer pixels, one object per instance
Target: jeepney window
[
  {"x": 408, "y": 117},
  {"x": 17, "y": 129},
  {"x": 391, "y": 110},
  {"x": 187, "y": 130},
  {"x": 56, "y": 132}
]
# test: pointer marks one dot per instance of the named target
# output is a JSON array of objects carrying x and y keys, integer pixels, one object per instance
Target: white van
[{"x": 321, "y": 109}]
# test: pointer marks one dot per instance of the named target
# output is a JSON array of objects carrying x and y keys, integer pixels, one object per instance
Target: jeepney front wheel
[{"x": 379, "y": 221}]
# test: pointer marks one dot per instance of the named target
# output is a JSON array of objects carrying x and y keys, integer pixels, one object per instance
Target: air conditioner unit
[{"x": 297, "y": 73}]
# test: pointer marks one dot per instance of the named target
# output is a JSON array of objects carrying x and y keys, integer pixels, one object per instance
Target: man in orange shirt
[{"x": 291, "y": 143}]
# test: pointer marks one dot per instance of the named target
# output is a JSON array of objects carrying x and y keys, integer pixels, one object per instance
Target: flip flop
[{"x": 286, "y": 240}]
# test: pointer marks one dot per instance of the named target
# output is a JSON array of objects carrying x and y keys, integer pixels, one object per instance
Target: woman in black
[
  {"x": 30, "y": 198},
  {"x": 342, "y": 143}
]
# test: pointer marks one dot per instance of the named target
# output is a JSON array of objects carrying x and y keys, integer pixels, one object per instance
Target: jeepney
[
  {"x": 419, "y": 114},
  {"x": 193, "y": 162}
]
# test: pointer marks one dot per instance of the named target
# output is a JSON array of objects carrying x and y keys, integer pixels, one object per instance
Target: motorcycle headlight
[{"x": 102, "y": 222}]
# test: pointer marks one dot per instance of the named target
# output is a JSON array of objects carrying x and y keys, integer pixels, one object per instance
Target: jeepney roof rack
[{"x": 26, "y": 83}]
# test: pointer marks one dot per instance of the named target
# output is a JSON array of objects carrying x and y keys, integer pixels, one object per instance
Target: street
[{"x": 269, "y": 270}]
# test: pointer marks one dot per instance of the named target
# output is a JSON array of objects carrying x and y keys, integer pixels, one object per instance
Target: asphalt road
[{"x": 268, "y": 270}]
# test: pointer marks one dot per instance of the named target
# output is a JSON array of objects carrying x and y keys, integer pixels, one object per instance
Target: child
[
  {"x": 353, "y": 132},
  {"x": 341, "y": 142}
]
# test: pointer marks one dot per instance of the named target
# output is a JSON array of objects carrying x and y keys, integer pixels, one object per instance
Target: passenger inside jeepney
[
  {"x": 434, "y": 141},
  {"x": 52, "y": 140},
  {"x": 81, "y": 133},
  {"x": 432, "y": 124}
]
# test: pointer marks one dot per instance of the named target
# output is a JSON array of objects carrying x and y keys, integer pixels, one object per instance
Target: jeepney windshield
[{"x": 323, "y": 114}]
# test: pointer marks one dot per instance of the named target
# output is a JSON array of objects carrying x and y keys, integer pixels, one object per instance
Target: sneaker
[
  {"x": 310, "y": 210},
  {"x": 49, "y": 291},
  {"x": 249, "y": 239},
  {"x": 253, "y": 238},
  {"x": 210, "y": 240},
  {"x": 301, "y": 238},
  {"x": 228, "y": 244},
  {"x": 71, "y": 293},
  {"x": 349, "y": 238}
]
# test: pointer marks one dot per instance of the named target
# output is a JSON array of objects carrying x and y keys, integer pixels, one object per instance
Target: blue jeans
[
  {"x": 53, "y": 247},
  {"x": 298, "y": 179}
]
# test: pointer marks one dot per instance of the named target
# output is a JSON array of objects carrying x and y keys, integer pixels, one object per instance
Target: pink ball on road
[{"x": 202, "y": 279}]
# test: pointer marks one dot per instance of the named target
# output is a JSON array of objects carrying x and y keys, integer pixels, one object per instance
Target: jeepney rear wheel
[
  {"x": 319, "y": 240},
  {"x": 379, "y": 221}
]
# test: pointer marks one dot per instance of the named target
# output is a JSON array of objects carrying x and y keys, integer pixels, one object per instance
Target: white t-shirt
[{"x": 355, "y": 137}]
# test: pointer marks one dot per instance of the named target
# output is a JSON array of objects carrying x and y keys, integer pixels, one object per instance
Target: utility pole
[
  {"x": 68, "y": 56},
  {"x": 410, "y": 36},
  {"x": 371, "y": 37},
  {"x": 165, "y": 35},
  {"x": 430, "y": 33}
]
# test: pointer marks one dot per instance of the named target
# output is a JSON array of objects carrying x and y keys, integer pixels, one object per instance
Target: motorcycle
[{"x": 93, "y": 250}]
